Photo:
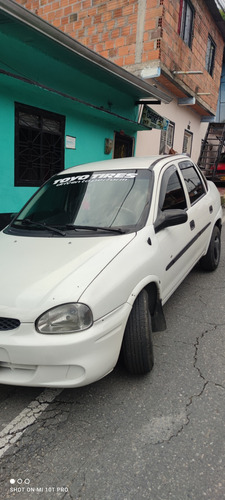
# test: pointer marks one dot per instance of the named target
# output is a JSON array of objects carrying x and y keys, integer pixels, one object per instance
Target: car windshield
[{"x": 88, "y": 201}]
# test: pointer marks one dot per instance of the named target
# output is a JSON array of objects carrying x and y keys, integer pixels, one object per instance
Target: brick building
[
  {"x": 154, "y": 39},
  {"x": 61, "y": 105}
]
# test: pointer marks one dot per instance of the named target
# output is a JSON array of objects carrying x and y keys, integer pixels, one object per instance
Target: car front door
[{"x": 175, "y": 246}]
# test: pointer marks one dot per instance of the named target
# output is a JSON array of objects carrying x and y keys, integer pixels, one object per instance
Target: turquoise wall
[
  {"x": 81, "y": 122},
  {"x": 53, "y": 67},
  {"x": 47, "y": 62}
]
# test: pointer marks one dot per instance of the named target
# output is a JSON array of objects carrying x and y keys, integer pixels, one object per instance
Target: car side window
[
  {"x": 193, "y": 181},
  {"x": 172, "y": 195}
]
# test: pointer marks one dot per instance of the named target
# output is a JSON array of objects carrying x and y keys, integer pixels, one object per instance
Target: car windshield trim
[
  {"x": 109, "y": 201},
  {"x": 41, "y": 225},
  {"x": 95, "y": 228}
]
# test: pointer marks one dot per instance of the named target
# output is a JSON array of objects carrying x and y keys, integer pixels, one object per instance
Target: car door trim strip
[{"x": 191, "y": 242}]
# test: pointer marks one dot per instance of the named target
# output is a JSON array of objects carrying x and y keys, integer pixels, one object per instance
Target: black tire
[
  {"x": 211, "y": 260},
  {"x": 137, "y": 349}
]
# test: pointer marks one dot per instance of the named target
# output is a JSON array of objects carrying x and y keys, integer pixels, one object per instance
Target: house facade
[
  {"x": 176, "y": 45},
  {"x": 61, "y": 105}
]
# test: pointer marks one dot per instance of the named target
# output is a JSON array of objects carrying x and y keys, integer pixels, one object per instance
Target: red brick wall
[
  {"x": 176, "y": 55},
  {"x": 109, "y": 27}
]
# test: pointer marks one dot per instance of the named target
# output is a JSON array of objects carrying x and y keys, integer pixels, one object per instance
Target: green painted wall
[
  {"x": 56, "y": 70},
  {"x": 50, "y": 64},
  {"x": 90, "y": 133}
]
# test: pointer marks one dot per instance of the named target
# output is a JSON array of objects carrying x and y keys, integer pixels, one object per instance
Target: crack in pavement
[
  {"x": 197, "y": 345},
  {"x": 158, "y": 431},
  {"x": 164, "y": 424},
  {"x": 15, "y": 429}
]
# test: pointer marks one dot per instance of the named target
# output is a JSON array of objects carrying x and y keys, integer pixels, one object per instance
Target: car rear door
[{"x": 200, "y": 206}]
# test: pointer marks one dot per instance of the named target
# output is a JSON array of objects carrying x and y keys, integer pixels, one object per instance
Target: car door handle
[
  {"x": 192, "y": 225},
  {"x": 210, "y": 209}
]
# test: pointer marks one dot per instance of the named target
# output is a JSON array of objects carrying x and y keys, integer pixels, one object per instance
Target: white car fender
[
  {"x": 217, "y": 202},
  {"x": 142, "y": 284},
  {"x": 124, "y": 276}
]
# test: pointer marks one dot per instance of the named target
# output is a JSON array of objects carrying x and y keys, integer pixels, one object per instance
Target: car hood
[{"x": 40, "y": 273}]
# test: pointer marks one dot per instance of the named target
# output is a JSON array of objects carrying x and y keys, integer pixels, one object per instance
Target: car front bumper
[{"x": 28, "y": 358}]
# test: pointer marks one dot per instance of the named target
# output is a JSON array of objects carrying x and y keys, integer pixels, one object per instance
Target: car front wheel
[
  {"x": 137, "y": 349},
  {"x": 210, "y": 261}
]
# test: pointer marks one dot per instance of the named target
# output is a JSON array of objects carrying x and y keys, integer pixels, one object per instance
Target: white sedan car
[{"x": 89, "y": 261}]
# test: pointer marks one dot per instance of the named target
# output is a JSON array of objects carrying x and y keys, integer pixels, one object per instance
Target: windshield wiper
[
  {"x": 42, "y": 225},
  {"x": 95, "y": 228}
]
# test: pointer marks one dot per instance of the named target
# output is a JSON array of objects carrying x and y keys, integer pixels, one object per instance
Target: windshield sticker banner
[{"x": 104, "y": 176}]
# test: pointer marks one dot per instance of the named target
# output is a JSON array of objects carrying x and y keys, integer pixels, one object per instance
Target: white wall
[{"x": 183, "y": 116}]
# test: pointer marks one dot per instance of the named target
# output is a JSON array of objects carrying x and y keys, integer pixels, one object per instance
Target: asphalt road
[{"x": 160, "y": 437}]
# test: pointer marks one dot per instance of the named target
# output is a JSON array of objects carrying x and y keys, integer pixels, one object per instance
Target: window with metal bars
[
  {"x": 187, "y": 142},
  {"x": 210, "y": 55},
  {"x": 39, "y": 145},
  {"x": 167, "y": 138},
  {"x": 186, "y": 21}
]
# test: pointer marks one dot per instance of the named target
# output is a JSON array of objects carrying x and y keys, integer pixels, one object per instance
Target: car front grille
[{"x": 8, "y": 324}]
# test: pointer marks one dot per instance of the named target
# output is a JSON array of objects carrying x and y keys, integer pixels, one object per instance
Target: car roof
[{"x": 134, "y": 162}]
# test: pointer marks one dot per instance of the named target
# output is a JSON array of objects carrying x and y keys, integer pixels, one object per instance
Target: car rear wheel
[
  {"x": 210, "y": 261},
  {"x": 137, "y": 349}
]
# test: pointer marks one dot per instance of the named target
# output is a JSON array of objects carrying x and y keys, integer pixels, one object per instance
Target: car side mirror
[{"x": 169, "y": 218}]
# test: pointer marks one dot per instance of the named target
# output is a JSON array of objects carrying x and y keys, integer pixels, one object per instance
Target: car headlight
[{"x": 67, "y": 318}]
